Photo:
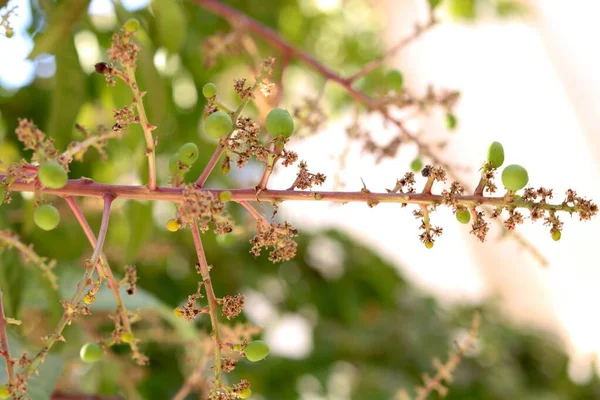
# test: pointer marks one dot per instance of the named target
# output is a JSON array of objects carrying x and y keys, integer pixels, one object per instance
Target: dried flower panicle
[
  {"x": 190, "y": 309},
  {"x": 243, "y": 91},
  {"x": 480, "y": 227},
  {"x": 220, "y": 44},
  {"x": 202, "y": 207},
  {"x": 34, "y": 139},
  {"x": 232, "y": 306},
  {"x": 305, "y": 179},
  {"x": 277, "y": 236},
  {"x": 245, "y": 142},
  {"x": 131, "y": 279},
  {"x": 311, "y": 116},
  {"x": 123, "y": 50}
]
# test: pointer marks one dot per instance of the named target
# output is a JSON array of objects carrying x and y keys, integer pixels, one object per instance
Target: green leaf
[
  {"x": 60, "y": 21},
  {"x": 68, "y": 95},
  {"x": 39, "y": 387}
]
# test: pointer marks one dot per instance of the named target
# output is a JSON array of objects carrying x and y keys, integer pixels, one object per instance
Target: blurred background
[{"x": 364, "y": 308}]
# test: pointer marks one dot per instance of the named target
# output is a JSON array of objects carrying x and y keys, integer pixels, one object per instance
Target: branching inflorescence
[{"x": 241, "y": 139}]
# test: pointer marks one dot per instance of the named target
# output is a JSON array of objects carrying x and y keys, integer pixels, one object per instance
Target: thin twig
[
  {"x": 242, "y": 21},
  {"x": 375, "y": 63},
  {"x": 64, "y": 396},
  {"x": 146, "y": 126},
  {"x": 75, "y": 302},
  {"x": 29, "y": 255},
  {"x": 193, "y": 380},
  {"x": 77, "y": 147},
  {"x": 262, "y": 185},
  {"x": 5, "y": 350},
  {"x": 257, "y": 215},
  {"x": 212, "y": 304},
  {"x": 221, "y": 147},
  {"x": 105, "y": 271}
]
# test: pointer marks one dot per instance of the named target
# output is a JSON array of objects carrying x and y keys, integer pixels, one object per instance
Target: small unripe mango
[
  {"x": 495, "y": 154},
  {"x": 514, "y": 177}
]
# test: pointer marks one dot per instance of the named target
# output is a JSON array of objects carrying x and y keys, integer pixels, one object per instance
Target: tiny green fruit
[
  {"x": 88, "y": 299},
  {"x": 225, "y": 196},
  {"x": 127, "y": 337},
  {"x": 451, "y": 121},
  {"x": 91, "y": 352},
  {"x": 556, "y": 235},
  {"x": 416, "y": 165},
  {"x": 395, "y": 80},
  {"x": 4, "y": 394},
  {"x": 495, "y": 154},
  {"x": 279, "y": 122},
  {"x": 218, "y": 124},
  {"x": 46, "y": 217},
  {"x": 52, "y": 175},
  {"x": 514, "y": 177},
  {"x": 178, "y": 312},
  {"x": 429, "y": 244},
  {"x": 209, "y": 90},
  {"x": 245, "y": 393},
  {"x": 172, "y": 225},
  {"x": 463, "y": 215},
  {"x": 188, "y": 154},
  {"x": 132, "y": 25},
  {"x": 256, "y": 351}
]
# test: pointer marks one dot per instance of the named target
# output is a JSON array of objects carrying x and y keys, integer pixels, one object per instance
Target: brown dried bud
[{"x": 102, "y": 68}]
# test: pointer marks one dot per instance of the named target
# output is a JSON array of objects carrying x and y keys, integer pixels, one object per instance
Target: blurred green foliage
[{"x": 372, "y": 333}]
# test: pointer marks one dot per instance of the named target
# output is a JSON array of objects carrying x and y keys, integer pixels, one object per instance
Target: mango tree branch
[
  {"x": 242, "y": 21},
  {"x": 88, "y": 188}
]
